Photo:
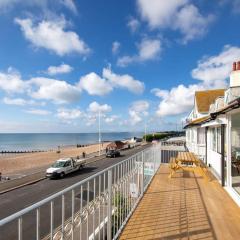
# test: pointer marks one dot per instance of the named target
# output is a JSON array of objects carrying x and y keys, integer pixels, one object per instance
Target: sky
[{"x": 138, "y": 63}]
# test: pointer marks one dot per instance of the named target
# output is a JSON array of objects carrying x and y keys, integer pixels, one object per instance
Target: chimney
[
  {"x": 235, "y": 75},
  {"x": 238, "y": 65},
  {"x": 234, "y": 66}
]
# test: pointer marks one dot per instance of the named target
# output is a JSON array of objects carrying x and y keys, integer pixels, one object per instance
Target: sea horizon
[{"x": 48, "y": 141}]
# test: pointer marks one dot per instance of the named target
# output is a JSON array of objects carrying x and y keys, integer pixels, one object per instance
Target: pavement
[
  {"x": 25, "y": 172},
  {"x": 31, "y": 176},
  {"x": 13, "y": 201}
]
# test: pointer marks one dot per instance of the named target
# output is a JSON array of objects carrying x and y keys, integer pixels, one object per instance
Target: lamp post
[
  {"x": 145, "y": 130},
  {"x": 99, "y": 132}
]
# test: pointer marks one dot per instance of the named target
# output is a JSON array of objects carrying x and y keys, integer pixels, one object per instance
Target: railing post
[
  {"x": 38, "y": 224},
  {"x": 143, "y": 171},
  {"x": 160, "y": 153},
  {"x": 109, "y": 222},
  {"x": 20, "y": 228}
]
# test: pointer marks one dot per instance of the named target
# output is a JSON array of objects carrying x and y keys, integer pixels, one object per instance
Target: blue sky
[{"x": 63, "y": 61}]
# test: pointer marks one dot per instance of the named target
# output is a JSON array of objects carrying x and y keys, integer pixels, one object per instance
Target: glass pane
[{"x": 235, "y": 148}]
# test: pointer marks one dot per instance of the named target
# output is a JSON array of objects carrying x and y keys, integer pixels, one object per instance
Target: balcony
[
  {"x": 133, "y": 199},
  {"x": 184, "y": 207}
]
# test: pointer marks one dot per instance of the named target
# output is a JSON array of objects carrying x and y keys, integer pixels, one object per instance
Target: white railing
[{"x": 96, "y": 208}]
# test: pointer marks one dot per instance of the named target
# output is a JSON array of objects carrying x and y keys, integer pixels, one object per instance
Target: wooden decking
[{"x": 184, "y": 207}]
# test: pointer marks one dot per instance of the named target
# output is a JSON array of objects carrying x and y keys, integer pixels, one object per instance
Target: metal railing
[{"x": 98, "y": 207}]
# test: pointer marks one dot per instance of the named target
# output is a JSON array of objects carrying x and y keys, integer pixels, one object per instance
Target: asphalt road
[{"x": 23, "y": 197}]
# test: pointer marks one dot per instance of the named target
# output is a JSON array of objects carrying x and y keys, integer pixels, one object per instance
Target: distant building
[
  {"x": 213, "y": 132},
  {"x": 115, "y": 145},
  {"x": 135, "y": 140}
]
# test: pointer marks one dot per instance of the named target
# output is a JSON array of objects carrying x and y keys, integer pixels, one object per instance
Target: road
[{"x": 23, "y": 197}]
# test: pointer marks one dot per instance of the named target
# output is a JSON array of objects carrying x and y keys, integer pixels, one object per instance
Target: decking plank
[{"x": 184, "y": 207}]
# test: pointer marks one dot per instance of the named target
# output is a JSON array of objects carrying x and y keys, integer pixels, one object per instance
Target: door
[{"x": 68, "y": 166}]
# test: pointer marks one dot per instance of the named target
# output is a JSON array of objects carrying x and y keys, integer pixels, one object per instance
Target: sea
[{"x": 48, "y": 141}]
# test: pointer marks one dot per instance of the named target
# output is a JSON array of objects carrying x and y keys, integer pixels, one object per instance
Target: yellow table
[{"x": 187, "y": 161}]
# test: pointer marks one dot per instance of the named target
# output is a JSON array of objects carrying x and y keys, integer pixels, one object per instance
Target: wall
[
  {"x": 213, "y": 157},
  {"x": 192, "y": 145}
]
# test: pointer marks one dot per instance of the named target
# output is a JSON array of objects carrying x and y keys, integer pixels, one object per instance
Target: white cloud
[
  {"x": 214, "y": 69},
  {"x": 69, "y": 114},
  {"x": 91, "y": 119},
  {"x": 111, "y": 119},
  {"x": 115, "y": 47},
  {"x": 63, "y": 68},
  {"x": 191, "y": 23},
  {"x": 148, "y": 49},
  {"x": 125, "y": 60},
  {"x": 11, "y": 82},
  {"x": 160, "y": 93},
  {"x": 133, "y": 24},
  {"x": 52, "y": 35},
  {"x": 187, "y": 18},
  {"x": 51, "y": 89},
  {"x": 95, "y": 85},
  {"x": 70, "y": 5},
  {"x": 123, "y": 81},
  {"x": 18, "y": 101},
  {"x": 137, "y": 111},
  {"x": 140, "y": 106},
  {"x": 212, "y": 72},
  {"x": 44, "y": 4},
  {"x": 38, "y": 112},
  {"x": 176, "y": 101},
  {"x": 95, "y": 107},
  {"x": 134, "y": 117}
]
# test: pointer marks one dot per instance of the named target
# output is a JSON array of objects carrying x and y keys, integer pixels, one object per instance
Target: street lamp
[
  {"x": 99, "y": 132},
  {"x": 145, "y": 130}
]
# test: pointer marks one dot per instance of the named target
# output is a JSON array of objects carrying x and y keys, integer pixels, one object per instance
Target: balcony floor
[{"x": 184, "y": 207}]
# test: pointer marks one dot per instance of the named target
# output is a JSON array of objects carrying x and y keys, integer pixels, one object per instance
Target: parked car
[
  {"x": 113, "y": 153},
  {"x": 64, "y": 166}
]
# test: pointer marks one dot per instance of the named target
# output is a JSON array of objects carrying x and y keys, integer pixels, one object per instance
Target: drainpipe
[
  {"x": 222, "y": 154},
  {"x": 206, "y": 143}
]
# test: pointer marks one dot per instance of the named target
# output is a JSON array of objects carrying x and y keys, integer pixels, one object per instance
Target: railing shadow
[{"x": 171, "y": 209}]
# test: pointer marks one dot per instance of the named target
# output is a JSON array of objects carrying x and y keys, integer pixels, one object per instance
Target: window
[
  {"x": 219, "y": 140},
  {"x": 216, "y": 139},
  {"x": 235, "y": 149},
  {"x": 201, "y": 135},
  {"x": 193, "y": 135},
  {"x": 67, "y": 164}
]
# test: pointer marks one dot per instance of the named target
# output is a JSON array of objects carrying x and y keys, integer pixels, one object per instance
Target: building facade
[{"x": 213, "y": 132}]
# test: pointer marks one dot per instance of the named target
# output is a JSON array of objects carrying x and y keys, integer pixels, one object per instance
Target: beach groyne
[{"x": 21, "y": 152}]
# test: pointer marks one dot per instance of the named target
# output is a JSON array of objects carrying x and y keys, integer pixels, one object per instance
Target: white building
[{"x": 213, "y": 132}]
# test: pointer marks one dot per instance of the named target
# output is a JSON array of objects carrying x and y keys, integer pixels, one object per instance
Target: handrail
[{"x": 60, "y": 193}]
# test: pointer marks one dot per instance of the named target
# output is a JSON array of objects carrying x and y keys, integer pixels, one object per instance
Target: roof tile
[{"x": 205, "y": 98}]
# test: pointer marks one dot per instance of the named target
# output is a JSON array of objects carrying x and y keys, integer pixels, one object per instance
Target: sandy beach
[{"x": 27, "y": 161}]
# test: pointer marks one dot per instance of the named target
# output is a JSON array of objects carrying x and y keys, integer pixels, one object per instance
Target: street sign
[
  {"x": 133, "y": 190},
  {"x": 148, "y": 168}
]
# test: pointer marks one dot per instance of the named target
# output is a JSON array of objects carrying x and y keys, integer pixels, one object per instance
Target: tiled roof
[
  {"x": 205, "y": 98},
  {"x": 198, "y": 121}
]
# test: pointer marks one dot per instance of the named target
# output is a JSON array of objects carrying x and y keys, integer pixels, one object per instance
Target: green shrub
[{"x": 158, "y": 136}]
